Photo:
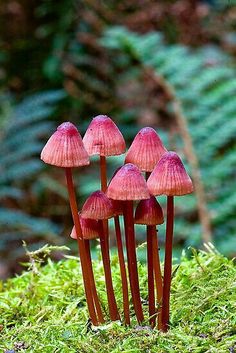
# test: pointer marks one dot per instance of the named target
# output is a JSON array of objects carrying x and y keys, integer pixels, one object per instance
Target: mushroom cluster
[{"x": 132, "y": 195}]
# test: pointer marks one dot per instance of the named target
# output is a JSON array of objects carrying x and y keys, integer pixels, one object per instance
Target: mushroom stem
[
  {"x": 168, "y": 263},
  {"x": 124, "y": 281},
  {"x": 103, "y": 176},
  {"x": 151, "y": 290},
  {"x": 81, "y": 246},
  {"x": 92, "y": 283},
  {"x": 132, "y": 259},
  {"x": 113, "y": 310},
  {"x": 105, "y": 249},
  {"x": 103, "y": 173},
  {"x": 157, "y": 273}
]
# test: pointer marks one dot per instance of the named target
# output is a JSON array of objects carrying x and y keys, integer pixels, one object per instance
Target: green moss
[{"x": 44, "y": 310}]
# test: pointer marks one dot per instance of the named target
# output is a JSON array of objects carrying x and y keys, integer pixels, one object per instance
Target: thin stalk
[
  {"x": 113, "y": 310},
  {"x": 168, "y": 263},
  {"x": 103, "y": 173},
  {"x": 81, "y": 246},
  {"x": 92, "y": 283},
  {"x": 103, "y": 176},
  {"x": 132, "y": 260},
  {"x": 157, "y": 273},
  {"x": 151, "y": 289},
  {"x": 123, "y": 274}
]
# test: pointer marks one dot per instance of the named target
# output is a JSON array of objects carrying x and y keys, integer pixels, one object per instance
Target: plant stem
[
  {"x": 157, "y": 273},
  {"x": 168, "y": 263},
  {"x": 81, "y": 246},
  {"x": 132, "y": 259},
  {"x": 124, "y": 281},
  {"x": 92, "y": 283},
  {"x": 151, "y": 290},
  {"x": 113, "y": 310}
]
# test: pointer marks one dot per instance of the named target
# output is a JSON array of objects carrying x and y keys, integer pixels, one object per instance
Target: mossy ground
[{"x": 44, "y": 310}]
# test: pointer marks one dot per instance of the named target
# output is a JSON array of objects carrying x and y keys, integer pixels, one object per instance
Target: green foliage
[
  {"x": 44, "y": 309},
  {"x": 203, "y": 82},
  {"x": 21, "y": 142}
]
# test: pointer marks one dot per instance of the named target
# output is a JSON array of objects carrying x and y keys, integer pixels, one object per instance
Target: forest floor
[{"x": 44, "y": 310}]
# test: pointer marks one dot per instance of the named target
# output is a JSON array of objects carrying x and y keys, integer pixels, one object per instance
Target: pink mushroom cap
[
  {"x": 97, "y": 206},
  {"x": 149, "y": 212},
  {"x": 65, "y": 148},
  {"x": 128, "y": 184},
  {"x": 103, "y": 137},
  {"x": 169, "y": 177},
  {"x": 89, "y": 229},
  {"x": 145, "y": 150}
]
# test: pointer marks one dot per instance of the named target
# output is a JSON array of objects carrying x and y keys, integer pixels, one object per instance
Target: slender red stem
[
  {"x": 81, "y": 246},
  {"x": 151, "y": 289},
  {"x": 105, "y": 249},
  {"x": 103, "y": 173},
  {"x": 157, "y": 273},
  {"x": 123, "y": 274},
  {"x": 168, "y": 263},
  {"x": 103, "y": 176},
  {"x": 132, "y": 260},
  {"x": 113, "y": 310},
  {"x": 92, "y": 283}
]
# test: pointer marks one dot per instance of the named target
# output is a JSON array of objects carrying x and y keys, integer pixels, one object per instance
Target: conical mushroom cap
[
  {"x": 145, "y": 150},
  {"x": 89, "y": 229},
  {"x": 128, "y": 184},
  {"x": 65, "y": 148},
  {"x": 149, "y": 212},
  {"x": 169, "y": 177},
  {"x": 103, "y": 137},
  {"x": 97, "y": 206}
]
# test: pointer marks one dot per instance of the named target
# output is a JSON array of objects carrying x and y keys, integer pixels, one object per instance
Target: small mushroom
[
  {"x": 65, "y": 149},
  {"x": 99, "y": 207},
  {"x": 128, "y": 184},
  {"x": 170, "y": 178},
  {"x": 90, "y": 231}
]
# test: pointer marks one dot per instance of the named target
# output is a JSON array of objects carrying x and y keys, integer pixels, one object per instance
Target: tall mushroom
[
  {"x": 128, "y": 184},
  {"x": 65, "y": 149},
  {"x": 170, "y": 178},
  {"x": 149, "y": 212},
  {"x": 103, "y": 138},
  {"x": 145, "y": 151},
  {"x": 99, "y": 207}
]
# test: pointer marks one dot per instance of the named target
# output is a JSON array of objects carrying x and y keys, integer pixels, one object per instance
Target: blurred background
[{"x": 165, "y": 64}]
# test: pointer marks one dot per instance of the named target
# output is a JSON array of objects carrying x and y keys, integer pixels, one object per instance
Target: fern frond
[
  {"x": 20, "y": 138},
  {"x": 201, "y": 82}
]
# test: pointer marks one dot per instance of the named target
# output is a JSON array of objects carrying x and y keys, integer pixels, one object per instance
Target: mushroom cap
[
  {"x": 149, "y": 212},
  {"x": 103, "y": 137},
  {"x": 145, "y": 150},
  {"x": 128, "y": 184},
  {"x": 97, "y": 206},
  {"x": 169, "y": 177},
  {"x": 89, "y": 229},
  {"x": 65, "y": 148}
]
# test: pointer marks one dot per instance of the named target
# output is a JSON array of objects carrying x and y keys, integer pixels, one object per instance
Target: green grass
[{"x": 44, "y": 310}]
